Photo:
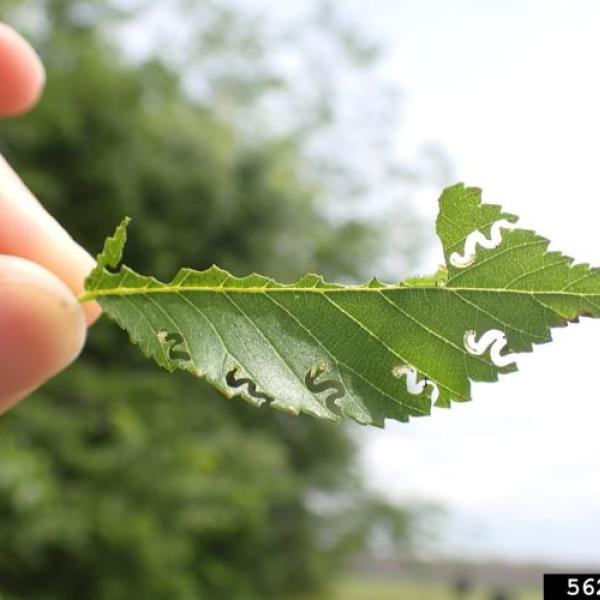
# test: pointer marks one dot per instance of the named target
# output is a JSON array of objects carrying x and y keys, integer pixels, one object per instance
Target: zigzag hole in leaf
[
  {"x": 251, "y": 386},
  {"x": 331, "y": 402},
  {"x": 495, "y": 340},
  {"x": 466, "y": 259},
  {"x": 172, "y": 340},
  {"x": 413, "y": 385}
]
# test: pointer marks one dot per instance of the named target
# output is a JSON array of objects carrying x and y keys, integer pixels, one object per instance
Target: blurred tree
[{"x": 117, "y": 480}]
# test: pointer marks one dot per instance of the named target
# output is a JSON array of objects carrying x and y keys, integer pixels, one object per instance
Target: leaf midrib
[{"x": 166, "y": 289}]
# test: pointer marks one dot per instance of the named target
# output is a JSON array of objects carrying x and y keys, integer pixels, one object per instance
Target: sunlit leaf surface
[{"x": 369, "y": 352}]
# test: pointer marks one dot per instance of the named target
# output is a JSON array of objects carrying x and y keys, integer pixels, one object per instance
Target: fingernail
[{"x": 42, "y": 328}]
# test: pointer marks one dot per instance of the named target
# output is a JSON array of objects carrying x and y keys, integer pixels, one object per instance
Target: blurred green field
[{"x": 377, "y": 589}]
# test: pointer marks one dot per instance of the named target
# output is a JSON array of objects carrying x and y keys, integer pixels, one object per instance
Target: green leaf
[{"x": 370, "y": 352}]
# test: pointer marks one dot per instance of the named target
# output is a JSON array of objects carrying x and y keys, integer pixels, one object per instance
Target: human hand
[{"x": 42, "y": 324}]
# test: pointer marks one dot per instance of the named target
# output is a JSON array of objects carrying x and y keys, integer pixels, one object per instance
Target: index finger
[{"x": 22, "y": 75}]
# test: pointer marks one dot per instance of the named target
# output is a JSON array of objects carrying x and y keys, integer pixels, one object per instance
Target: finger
[
  {"x": 42, "y": 328},
  {"x": 28, "y": 231},
  {"x": 22, "y": 75}
]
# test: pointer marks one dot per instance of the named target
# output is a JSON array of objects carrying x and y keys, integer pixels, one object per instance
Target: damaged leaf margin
[{"x": 369, "y": 352}]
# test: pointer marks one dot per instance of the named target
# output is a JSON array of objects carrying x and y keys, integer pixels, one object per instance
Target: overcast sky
[{"x": 511, "y": 91}]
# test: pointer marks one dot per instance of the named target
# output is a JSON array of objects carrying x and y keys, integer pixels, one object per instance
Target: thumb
[{"x": 42, "y": 327}]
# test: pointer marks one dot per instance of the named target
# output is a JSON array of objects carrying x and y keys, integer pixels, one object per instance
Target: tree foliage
[{"x": 119, "y": 482}]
